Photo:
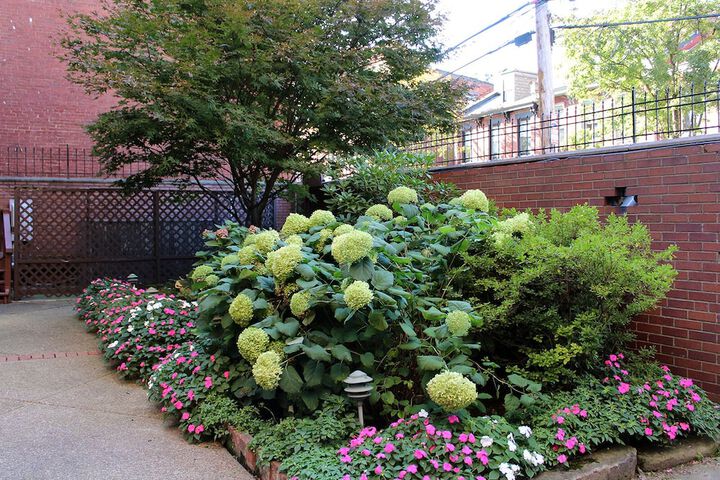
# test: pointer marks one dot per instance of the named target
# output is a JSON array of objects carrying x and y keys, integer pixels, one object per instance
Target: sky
[{"x": 465, "y": 17}]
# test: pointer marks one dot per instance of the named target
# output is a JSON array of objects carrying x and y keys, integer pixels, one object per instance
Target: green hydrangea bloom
[
  {"x": 230, "y": 259},
  {"x": 247, "y": 255},
  {"x": 321, "y": 217},
  {"x": 294, "y": 240},
  {"x": 282, "y": 262},
  {"x": 241, "y": 309},
  {"x": 520, "y": 223},
  {"x": 475, "y": 200},
  {"x": 201, "y": 272},
  {"x": 295, "y": 223},
  {"x": 300, "y": 303},
  {"x": 400, "y": 220},
  {"x": 344, "y": 228},
  {"x": 212, "y": 280},
  {"x": 351, "y": 247},
  {"x": 267, "y": 370},
  {"x": 458, "y": 323},
  {"x": 380, "y": 212},
  {"x": 249, "y": 240},
  {"x": 252, "y": 342},
  {"x": 358, "y": 295},
  {"x": 278, "y": 347},
  {"x": 266, "y": 241},
  {"x": 500, "y": 238},
  {"x": 402, "y": 195},
  {"x": 451, "y": 391}
]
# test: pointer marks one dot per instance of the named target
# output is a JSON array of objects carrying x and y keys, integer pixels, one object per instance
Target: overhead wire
[{"x": 635, "y": 22}]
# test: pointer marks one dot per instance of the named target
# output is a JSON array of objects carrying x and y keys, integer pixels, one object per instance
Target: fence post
[
  {"x": 156, "y": 234},
  {"x": 67, "y": 160},
  {"x": 632, "y": 107}
]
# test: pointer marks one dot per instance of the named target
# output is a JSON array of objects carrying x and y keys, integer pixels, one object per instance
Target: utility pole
[{"x": 545, "y": 78}]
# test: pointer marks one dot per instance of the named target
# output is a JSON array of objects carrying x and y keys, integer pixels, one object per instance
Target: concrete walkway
[
  {"x": 707, "y": 469},
  {"x": 67, "y": 416}
]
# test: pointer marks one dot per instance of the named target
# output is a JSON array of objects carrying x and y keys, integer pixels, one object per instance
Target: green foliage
[
  {"x": 251, "y": 92},
  {"x": 363, "y": 181},
  {"x": 625, "y": 407},
  {"x": 557, "y": 291},
  {"x": 375, "y": 298},
  {"x": 294, "y": 440},
  {"x": 220, "y": 411},
  {"x": 646, "y": 57}
]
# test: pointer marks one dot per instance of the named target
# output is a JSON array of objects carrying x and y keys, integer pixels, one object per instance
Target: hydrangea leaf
[{"x": 430, "y": 362}]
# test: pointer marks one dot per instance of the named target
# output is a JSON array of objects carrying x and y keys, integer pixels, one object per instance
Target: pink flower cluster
[
  {"x": 565, "y": 444},
  {"x": 669, "y": 398}
]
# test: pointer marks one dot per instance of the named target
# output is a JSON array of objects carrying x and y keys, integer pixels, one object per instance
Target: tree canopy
[
  {"x": 648, "y": 57},
  {"x": 256, "y": 94}
]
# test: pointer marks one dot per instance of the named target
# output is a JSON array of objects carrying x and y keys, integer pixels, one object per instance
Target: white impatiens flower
[
  {"x": 512, "y": 446},
  {"x": 113, "y": 344},
  {"x": 525, "y": 430},
  {"x": 509, "y": 470},
  {"x": 422, "y": 413},
  {"x": 533, "y": 458},
  {"x": 486, "y": 441},
  {"x": 130, "y": 328}
]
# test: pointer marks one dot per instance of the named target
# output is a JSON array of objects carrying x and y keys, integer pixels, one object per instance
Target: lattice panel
[{"x": 66, "y": 237}]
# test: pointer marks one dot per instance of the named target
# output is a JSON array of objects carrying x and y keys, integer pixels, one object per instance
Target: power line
[
  {"x": 636, "y": 22},
  {"x": 517, "y": 41},
  {"x": 485, "y": 29}
]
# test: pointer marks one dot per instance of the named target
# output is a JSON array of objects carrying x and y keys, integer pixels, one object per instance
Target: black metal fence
[
  {"x": 62, "y": 161},
  {"x": 628, "y": 119}
]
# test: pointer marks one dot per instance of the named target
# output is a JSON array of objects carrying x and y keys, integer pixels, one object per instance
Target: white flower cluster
[
  {"x": 509, "y": 470},
  {"x": 533, "y": 458},
  {"x": 153, "y": 306}
]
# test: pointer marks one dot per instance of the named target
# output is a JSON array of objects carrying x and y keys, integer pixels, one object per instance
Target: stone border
[
  {"x": 239, "y": 444},
  {"x": 617, "y": 463},
  {"x": 687, "y": 450}
]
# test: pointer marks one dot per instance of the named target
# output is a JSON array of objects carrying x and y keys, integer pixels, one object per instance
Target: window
[
  {"x": 467, "y": 150},
  {"x": 523, "y": 140},
  {"x": 494, "y": 139}
]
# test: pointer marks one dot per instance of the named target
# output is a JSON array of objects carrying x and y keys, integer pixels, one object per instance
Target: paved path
[
  {"x": 707, "y": 469},
  {"x": 67, "y": 416}
]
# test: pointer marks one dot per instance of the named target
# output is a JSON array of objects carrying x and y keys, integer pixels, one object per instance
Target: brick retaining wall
[{"x": 678, "y": 188}]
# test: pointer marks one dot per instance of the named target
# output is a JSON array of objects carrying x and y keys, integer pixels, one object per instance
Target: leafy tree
[
  {"x": 647, "y": 57},
  {"x": 256, "y": 94}
]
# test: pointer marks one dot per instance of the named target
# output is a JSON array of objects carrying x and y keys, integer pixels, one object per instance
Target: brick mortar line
[{"x": 45, "y": 356}]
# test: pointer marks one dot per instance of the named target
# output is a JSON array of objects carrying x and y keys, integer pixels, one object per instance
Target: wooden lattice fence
[{"x": 64, "y": 238}]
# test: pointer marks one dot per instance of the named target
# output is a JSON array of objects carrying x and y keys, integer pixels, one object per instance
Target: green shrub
[
  {"x": 217, "y": 412},
  {"x": 373, "y": 296},
  {"x": 363, "y": 181},
  {"x": 557, "y": 291}
]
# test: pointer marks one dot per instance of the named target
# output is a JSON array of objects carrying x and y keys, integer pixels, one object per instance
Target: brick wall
[
  {"x": 678, "y": 188},
  {"x": 38, "y": 106}
]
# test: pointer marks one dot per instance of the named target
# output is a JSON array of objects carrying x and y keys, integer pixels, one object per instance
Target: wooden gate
[{"x": 64, "y": 238}]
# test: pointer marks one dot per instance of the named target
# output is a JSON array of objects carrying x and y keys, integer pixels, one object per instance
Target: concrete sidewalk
[{"x": 67, "y": 416}]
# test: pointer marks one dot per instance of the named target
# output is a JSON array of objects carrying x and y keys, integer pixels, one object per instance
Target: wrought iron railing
[
  {"x": 62, "y": 161},
  {"x": 628, "y": 119}
]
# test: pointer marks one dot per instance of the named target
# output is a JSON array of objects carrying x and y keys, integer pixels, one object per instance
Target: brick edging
[
  {"x": 45, "y": 356},
  {"x": 239, "y": 444}
]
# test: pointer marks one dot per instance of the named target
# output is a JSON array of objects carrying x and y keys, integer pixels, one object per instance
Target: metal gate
[{"x": 64, "y": 238}]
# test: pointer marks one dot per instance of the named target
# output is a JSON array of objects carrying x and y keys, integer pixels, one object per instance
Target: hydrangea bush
[{"x": 303, "y": 307}]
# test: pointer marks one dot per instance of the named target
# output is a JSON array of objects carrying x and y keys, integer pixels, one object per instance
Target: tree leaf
[
  {"x": 290, "y": 381},
  {"x": 430, "y": 362},
  {"x": 316, "y": 352},
  {"x": 342, "y": 353},
  {"x": 362, "y": 270},
  {"x": 382, "y": 279},
  {"x": 377, "y": 320}
]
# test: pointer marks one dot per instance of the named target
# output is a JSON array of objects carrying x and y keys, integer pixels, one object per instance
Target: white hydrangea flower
[
  {"x": 486, "y": 441},
  {"x": 512, "y": 446},
  {"x": 525, "y": 430}
]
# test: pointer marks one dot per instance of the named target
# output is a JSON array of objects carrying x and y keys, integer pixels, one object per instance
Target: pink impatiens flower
[
  {"x": 623, "y": 388},
  {"x": 562, "y": 458}
]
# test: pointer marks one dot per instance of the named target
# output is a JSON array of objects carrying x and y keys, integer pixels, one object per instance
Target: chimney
[{"x": 517, "y": 84}]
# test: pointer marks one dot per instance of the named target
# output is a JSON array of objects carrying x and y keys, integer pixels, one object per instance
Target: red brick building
[{"x": 39, "y": 107}]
